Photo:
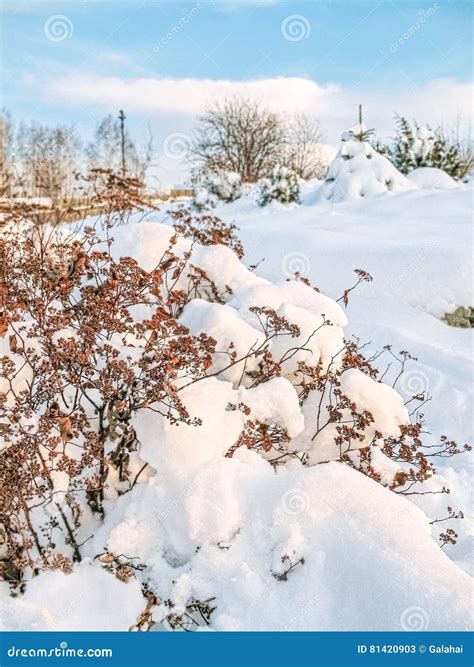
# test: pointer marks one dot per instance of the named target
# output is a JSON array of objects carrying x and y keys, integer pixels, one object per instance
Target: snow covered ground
[{"x": 304, "y": 547}]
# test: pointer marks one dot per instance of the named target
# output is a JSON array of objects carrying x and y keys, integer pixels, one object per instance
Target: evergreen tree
[
  {"x": 282, "y": 185},
  {"x": 358, "y": 170},
  {"x": 420, "y": 146}
]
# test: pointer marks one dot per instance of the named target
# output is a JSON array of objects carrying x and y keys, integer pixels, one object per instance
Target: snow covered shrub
[
  {"x": 207, "y": 230},
  {"x": 226, "y": 187},
  {"x": 281, "y": 185},
  {"x": 163, "y": 416},
  {"x": 203, "y": 199},
  {"x": 358, "y": 170},
  {"x": 77, "y": 364},
  {"x": 420, "y": 146}
]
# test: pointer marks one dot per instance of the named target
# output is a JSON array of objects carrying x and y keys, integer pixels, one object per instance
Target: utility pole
[
  {"x": 360, "y": 114},
  {"x": 122, "y": 133}
]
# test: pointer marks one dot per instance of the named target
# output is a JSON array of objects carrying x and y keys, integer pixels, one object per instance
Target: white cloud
[
  {"x": 189, "y": 96},
  {"x": 439, "y": 101}
]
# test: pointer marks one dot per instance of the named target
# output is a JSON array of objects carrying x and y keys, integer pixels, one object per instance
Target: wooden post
[{"x": 122, "y": 132}]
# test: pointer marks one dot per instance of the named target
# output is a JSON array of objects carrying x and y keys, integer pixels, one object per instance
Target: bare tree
[
  {"x": 6, "y": 153},
  {"x": 104, "y": 152},
  {"x": 47, "y": 161},
  {"x": 304, "y": 152},
  {"x": 460, "y": 140},
  {"x": 240, "y": 135}
]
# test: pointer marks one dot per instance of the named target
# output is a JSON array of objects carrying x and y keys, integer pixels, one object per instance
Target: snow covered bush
[
  {"x": 421, "y": 146},
  {"x": 224, "y": 187},
  {"x": 358, "y": 170},
  {"x": 281, "y": 185},
  {"x": 165, "y": 413},
  {"x": 203, "y": 199}
]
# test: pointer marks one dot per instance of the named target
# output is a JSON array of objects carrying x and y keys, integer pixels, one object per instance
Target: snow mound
[
  {"x": 224, "y": 268},
  {"x": 181, "y": 447},
  {"x": 431, "y": 178},
  {"x": 275, "y": 402},
  {"x": 318, "y": 341},
  {"x": 294, "y": 293},
  {"x": 86, "y": 600},
  {"x": 385, "y": 404},
  {"x": 232, "y": 333},
  {"x": 292, "y": 550},
  {"x": 146, "y": 242}
]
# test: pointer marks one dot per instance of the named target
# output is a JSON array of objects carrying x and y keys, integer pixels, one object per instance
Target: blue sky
[{"x": 73, "y": 61}]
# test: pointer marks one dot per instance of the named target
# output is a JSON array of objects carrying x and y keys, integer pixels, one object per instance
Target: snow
[
  {"x": 428, "y": 178},
  {"x": 319, "y": 342},
  {"x": 294, "y": 293},
  {"x": 417, "y": 246},
  {"x": 178, "y": 447},
  {"x": 224, "y": 268},
  {"x": 223, "y": 533},
  {"x": 232, "y": 333},
  {"x": 385, "y": 404},
  {"x": 147, "y": 243},
  {"x": 275, "y": 402},
  {"x": 87, "y": 599}
]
